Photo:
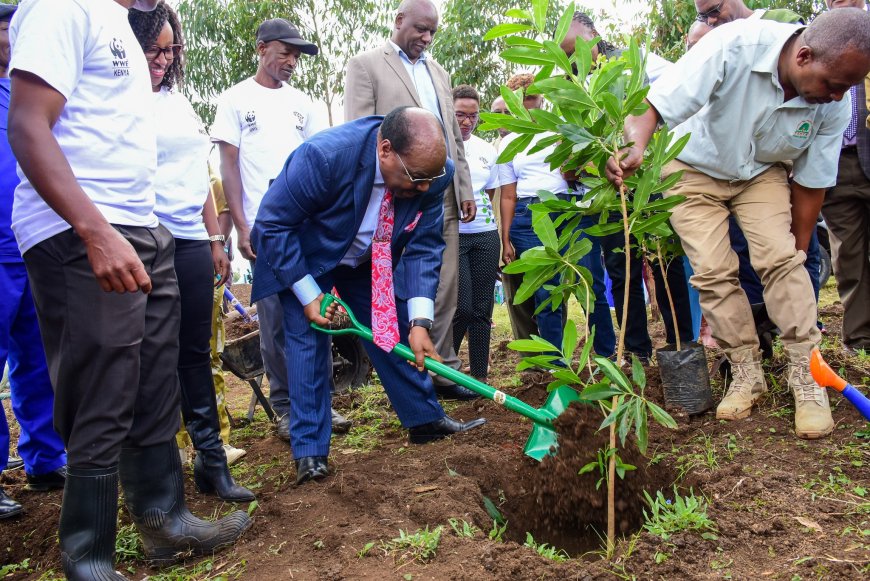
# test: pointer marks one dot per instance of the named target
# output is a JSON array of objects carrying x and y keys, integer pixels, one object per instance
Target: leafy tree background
[{"x": 220, "y": 38}]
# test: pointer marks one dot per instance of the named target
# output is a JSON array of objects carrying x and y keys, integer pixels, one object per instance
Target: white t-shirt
[
  {"x": 182, "y": 179},
  {"x": 86, "y": 51},
  {"x": 481, "y": 157},
  {"x": 530, "y": 172},
  {"x": 266, "y": 125}
]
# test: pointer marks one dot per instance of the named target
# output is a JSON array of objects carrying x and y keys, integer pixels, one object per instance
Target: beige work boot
[
  {"x": 812, "y": 412},
  {"x": 747, "y": 384}
]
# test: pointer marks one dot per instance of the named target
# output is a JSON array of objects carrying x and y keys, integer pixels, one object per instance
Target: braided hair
[
  {"x": 584, "y": 20},
  {"x": 147, "y": 27}
]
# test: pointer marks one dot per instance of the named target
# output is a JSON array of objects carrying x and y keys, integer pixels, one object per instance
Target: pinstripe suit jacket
[{"x": 312, "y": 212}]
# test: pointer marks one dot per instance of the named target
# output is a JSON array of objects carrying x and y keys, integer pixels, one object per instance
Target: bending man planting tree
[{"x": 775, "y": 95}]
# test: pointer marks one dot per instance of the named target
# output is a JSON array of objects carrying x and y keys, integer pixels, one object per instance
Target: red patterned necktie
[{"x": 385, "y": 323}]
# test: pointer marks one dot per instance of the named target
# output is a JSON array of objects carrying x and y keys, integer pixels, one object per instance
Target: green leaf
[
  {"x": 564, "y": 24},
  {"x": 637, "y": 373},
  {"x": 546, "y": 119},
  {"x": 544, "y": 142},
  {"x": 661, "y": 416},
  {"x": 514, "y": 102},
  {"x": 587, "y": 349},
  {"x": 599, "y": 230},
  {"x": 523, "y": 41},
  {"x": 567, "y": 377},
  {"x": 514, "y": 147},
  {"x": 676, "y": 148},
  {"x": 543, "y": 227},
  {"x": 650, "y": 223},
  {"x": 539, "y": 14},
  {"x": 577, "y": 135},
  {"x": 532, "y": 346},
  {"x": 588, "y": 468},
  {"x": 598, "y": 391},
  {"x": 641, "y": 425},
  {"x": 668, "y": 182},
  {"x": 569, "y": 339},
  {"x": 612, "y": 372},
  {"x": 493, "y": 511},
  {"x": 505, "y": 29},
  {"x": 523, "y": 55},
  {"x": 559, "y": 56},
  {"x": 518, "y": 14}
]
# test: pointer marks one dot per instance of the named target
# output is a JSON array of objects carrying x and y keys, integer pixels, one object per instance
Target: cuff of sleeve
[
  {"x": 306, "y": 290},
  {"x": 421, "y": 308}
]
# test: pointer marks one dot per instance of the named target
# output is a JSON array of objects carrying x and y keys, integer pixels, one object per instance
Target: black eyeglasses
[
  {"x": 463, "y": 116},
  {"x": 712, "y": 13},
  {"x": 416, "y": 181},
  {"x": 169, "y": 52}
]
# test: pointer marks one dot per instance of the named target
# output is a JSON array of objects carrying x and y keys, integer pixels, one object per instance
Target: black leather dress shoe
[
  {"x": 282, "y": 427},
  {"x": 442, "y": 428},
  {"x": 311, "y": 468},
  {"x": 456, "y": 392},
  {"x": 8, "y": 507},
  {"x": 340, "y": 424},
  {"x": 53, "y": 480}
]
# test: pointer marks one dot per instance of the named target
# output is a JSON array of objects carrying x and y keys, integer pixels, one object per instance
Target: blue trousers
[
  {"x": 411, "y": 392},
  {"x": 32, "y": 397},
  {"x": 749, "y": 280},
  {"x": 549, "y": 320}
]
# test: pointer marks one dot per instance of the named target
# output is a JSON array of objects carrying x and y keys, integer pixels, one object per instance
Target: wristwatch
[
  {"x": 425, "y": 323},
  {"x": 217, "y": 238}
]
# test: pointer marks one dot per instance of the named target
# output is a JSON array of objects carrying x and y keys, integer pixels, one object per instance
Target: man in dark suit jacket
[{"x": 314, "y": 231}]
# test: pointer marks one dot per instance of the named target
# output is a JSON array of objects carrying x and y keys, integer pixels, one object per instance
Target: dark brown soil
[
  {"x": 783, "y": 508},
  {"x": 236, "y": 328}
]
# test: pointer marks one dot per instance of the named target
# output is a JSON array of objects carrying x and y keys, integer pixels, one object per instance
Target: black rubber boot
[
  {"x": 154, "y": 491},
  {"x": 199, "y": 410},
  {"x": 88, "y": 521}
]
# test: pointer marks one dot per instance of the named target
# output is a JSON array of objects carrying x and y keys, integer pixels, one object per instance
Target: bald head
[
  {"x": 499, "y": 106},
  {"x": 415, "y": 27},
  {"x": 412, "y": 151},
  {"x": 696, "y": 33},
  {"x": 844, "y": 3},
  {"x": 835, "y": 34}
]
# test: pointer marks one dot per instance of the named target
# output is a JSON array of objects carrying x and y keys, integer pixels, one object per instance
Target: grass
[
  {"x": 545, "y": 550},
  {"x": 683, "y": 513},
  {"x": 421, "y": 545},
  {"x": 463, "y": 528}
]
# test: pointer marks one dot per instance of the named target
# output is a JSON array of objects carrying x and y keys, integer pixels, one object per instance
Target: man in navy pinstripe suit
[{"x": 314, "y": 231}]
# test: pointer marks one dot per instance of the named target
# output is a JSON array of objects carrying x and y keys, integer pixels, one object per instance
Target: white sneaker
[{"x": 233, "y": 454}]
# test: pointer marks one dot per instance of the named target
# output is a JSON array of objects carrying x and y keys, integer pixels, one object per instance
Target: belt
[{"x": 850, "y": 150}]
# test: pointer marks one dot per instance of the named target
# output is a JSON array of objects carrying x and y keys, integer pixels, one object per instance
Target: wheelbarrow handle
[{"x": 436, "y": 367}]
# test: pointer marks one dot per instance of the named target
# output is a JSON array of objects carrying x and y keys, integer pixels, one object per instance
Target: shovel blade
[{"x": 543, "y": 441}]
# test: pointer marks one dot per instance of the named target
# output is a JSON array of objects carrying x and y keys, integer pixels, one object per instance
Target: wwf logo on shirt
[
  {"x": 251, "y": 120},
  {"x": 120, "y": 64},
  {"x": 300, "y": 120},
  {"x": 484, "y": 162}
]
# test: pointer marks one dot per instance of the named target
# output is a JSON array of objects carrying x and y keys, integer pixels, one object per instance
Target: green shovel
[{"x": 542, "y": 441}]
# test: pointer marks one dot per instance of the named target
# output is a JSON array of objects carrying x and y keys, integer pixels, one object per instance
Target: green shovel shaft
[{"x": 539, "y": 416}]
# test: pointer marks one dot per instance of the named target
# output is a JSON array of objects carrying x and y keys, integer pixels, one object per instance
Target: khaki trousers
[
  {"x": 847, "y": 213},
  {"x": 448, "y": 289},
  {"x": 762, "y": 207}
]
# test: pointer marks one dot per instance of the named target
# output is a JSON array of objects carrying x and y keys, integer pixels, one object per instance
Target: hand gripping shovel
[
  {"x": 825, "y": 376},
  {"x": 542, "y": 441}
]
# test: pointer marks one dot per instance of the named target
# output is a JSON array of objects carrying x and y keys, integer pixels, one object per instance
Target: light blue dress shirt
[
  {"x": 360, "y": 251},
  {"x": 422, "y": 79}
]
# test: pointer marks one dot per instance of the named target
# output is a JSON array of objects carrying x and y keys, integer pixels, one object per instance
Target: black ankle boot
[
  {"x": 154, "y": 491},
  {"x": 199, "y": 409},
  {"x": 88, "y": 519},
  {"x": 212, "y": 476}
]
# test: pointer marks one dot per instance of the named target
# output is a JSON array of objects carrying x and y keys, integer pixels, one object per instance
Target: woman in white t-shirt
[
  {"x": 185, "y": 207},
  {"x": 478, "y": 240}
]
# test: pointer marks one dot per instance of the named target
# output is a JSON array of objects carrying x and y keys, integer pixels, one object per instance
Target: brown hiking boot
[
  {"x": 747, "y": 384},
  {"x": 812, "y": 411}
]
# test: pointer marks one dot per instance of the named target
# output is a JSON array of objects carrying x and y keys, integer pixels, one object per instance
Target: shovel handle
[
  {"x": 436, "y": 367},
  {"x": 826, "y": 377}
]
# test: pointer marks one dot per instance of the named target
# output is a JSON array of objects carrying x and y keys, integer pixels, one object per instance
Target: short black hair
[
  {"x": 831, "y": 34},
  {"x": 147, "y": 26},
  {"x": 465, "y": 92},
  {"x": 396, "y": 127}
]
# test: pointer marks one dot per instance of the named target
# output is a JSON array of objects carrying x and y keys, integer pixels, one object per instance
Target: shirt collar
[
  {"x": 769, "y": 62},
  {"x": 403, "y": 56}
]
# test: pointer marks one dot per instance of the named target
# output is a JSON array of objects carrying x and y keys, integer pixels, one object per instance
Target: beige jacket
[{"x": 377, "y": 82}]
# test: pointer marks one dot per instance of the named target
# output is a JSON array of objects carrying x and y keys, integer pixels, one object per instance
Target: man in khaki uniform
[
  {"x": 401, "y": 73},
  {"x": 754, "y": 96}
]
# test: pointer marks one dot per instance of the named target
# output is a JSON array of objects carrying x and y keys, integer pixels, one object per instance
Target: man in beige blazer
[{"x": 402, "y": 73}]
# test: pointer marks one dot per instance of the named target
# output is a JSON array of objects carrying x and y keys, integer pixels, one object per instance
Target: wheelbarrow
[
  {"x": 350, "y": 366},
  {"x": 542, "y": 441}
]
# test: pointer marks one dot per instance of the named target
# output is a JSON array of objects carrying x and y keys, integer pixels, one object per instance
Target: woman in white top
[
  {"x": 478, "y": 240},
  {"x": 185, "y": 207}
]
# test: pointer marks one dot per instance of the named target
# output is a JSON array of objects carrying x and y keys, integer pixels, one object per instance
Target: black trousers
[
  {"x": 111, "y": 357},
  {"x": 637, "y": 338},
  {"x": 195, "y": 271},
  {"x": 478, "y": 267}
]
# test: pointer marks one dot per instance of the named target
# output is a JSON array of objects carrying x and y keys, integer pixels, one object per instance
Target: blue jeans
[{"x": 549, "y": 320}]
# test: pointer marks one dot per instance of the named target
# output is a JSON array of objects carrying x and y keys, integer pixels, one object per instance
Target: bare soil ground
[{"x": 783, "y": 508}]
